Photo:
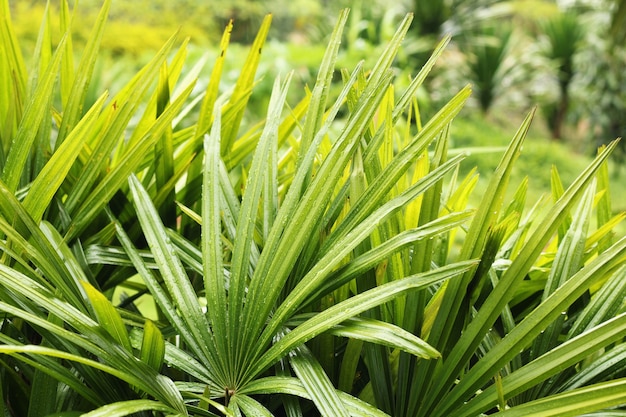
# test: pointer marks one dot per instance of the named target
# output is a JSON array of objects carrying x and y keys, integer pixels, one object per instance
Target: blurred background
[{"x": 565, "y": 57}]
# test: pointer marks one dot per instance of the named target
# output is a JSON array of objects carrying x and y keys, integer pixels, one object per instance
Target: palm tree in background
[
  {"x": 564, "y": 34},
  {"x": 488, "y": 49}
]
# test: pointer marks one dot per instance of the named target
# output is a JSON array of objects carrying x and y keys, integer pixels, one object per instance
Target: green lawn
[{"x": 539, "y": 155}]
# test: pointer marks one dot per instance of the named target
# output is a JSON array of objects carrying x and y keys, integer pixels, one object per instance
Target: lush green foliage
[{"x": 162, "y": 256}]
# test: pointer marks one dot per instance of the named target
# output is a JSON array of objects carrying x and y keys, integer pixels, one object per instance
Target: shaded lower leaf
[
  {"x": 293, "y": 386},
  {"x": 158, "y": 385},
  {"x": 125, "y": 408},
  {"x": 316, "y": 382}
]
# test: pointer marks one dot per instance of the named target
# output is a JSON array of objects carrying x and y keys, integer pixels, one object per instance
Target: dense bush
[{"x": 162, "y": 255}]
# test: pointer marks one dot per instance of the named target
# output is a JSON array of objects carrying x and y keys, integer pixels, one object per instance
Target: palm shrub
[
  {"x": 564, "y": 34},
  {"x": 488, "y": 53},
  {"x": 61, "y": 219},
  {"x": 307, "y": 265}
]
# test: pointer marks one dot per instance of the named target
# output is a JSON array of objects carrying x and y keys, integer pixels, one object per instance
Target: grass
[{"x": 540, "y": 153}]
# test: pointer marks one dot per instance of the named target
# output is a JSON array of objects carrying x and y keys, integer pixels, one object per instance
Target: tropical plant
[
  {"x": 322, "y": 261},
  {"x": 60, "y": 221},
  {"x": 564, "y": 34},
  {"x": 488, "y": 51}
]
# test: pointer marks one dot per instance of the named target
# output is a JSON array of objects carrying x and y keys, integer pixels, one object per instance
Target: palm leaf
[
  {"x": 241, "y": 92},
  {"x": 117, "y": 176},
  {"x": 213, "y": 269},
  {"x": 124, "y": 408},
  {"x": 551, "y": 363},
  {"x": 350, "y": 308},
  {"x": 174, "y": 276},
  {"x": 316, "y": 382},
  {"x": 293, "y": 386},
  {"x": 263, "y": 294},
  {"x": 33, "y": 116},
  {"x": 108, "y": 318},
  {"x": 54, "y": 172},
  {"x": 152, "y": 346},
  {"x": 573, "y": 403},
  {"x": 73, "y": 107},
  {"x": 379, "y": 332},
  {"x": 111, "y": 125},
  {"x": 319, "y": 95},
  {"x": 544, "y": 314},
  {"x": 246, "y": 222}
]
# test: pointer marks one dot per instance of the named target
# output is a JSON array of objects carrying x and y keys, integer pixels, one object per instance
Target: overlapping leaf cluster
[{"x": 321, "y": 262}]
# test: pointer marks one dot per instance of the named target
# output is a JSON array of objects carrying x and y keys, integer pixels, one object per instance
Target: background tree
[
  {"x": 487, "y": 50},
  {"x": 602, "y": 96},
  {"x": 564, "y": 34}
]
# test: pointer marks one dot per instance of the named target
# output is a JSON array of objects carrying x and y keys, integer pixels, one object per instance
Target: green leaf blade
[
  {"x": 174, "y": 275},
  {"x": 152, "y": 346},
  {"x": 33, "y": 116},
  {"x": 72, "y": 111},
  {"x": 107, "y": 316}
]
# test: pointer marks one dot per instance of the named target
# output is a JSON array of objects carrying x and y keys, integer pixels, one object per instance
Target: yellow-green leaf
[
  {"x": 107, "y": 316},
  {"x": 152, "y": 346}
]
